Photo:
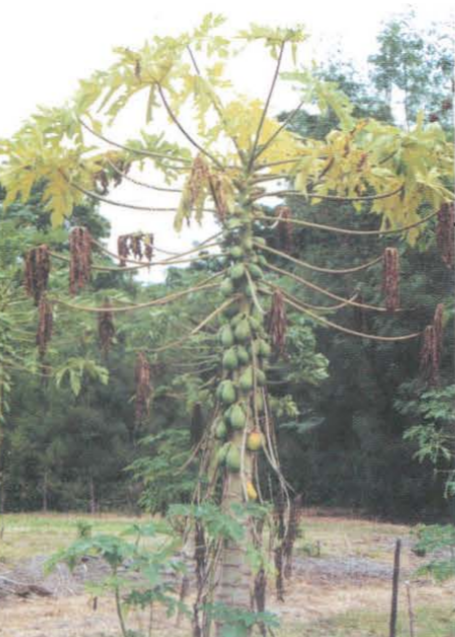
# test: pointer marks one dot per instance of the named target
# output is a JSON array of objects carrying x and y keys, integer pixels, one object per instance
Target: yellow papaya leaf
[{"x": 59, "y": 197}]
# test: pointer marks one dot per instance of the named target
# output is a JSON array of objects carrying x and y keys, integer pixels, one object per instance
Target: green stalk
[{"x": 118, "y": 608}]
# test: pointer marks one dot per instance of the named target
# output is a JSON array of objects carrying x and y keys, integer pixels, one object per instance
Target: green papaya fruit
[
  {"x": 242, "y": 355},
  {"x": 230, "y": 360},
  {"x": 255, "y": 271},
  {"x": 237, "y": 318},
  {"x": 237, "y": 417},
  {"x": 221, "y": 430},
  {"x": 231, "y": 310},
  {"x": 262, "y": 260},
  {"x": 237, "y": 271},
  {"x": 228, "y": 392},
  {"x": 233, "y": 459},
  {"x": 255, "y": 323},
  {"x": 246, "y": 381},
  {"x": 261, "y": 378},
  {"x": 254, "y": 348},
  {"x": 226, "y": 336},
  {"x": 236, "y": 252},
  {"x": 264, "y": 348},
  {"x": 233, "y": 223},
  {"x": 258, "y": 315},
  {"x": 242, "y": 331},
  {"x": 222, "y": 453},
  {"x": 261, "y": 241},
  {"x": 247, "y": 243},
  {"x": 227, "y": 288}
]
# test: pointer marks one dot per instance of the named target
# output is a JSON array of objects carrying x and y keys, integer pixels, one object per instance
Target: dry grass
[
  {"x": 350, "y": 536},
  {"x": 308, "y": 613},
  {"x": 312, "y": 607},
  {"x": 76, "y": 617}
]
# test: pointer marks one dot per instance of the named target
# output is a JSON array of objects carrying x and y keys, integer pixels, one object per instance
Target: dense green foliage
[
  {"x": 373, "y": 417},
  {"x": 436, "y": 543}
]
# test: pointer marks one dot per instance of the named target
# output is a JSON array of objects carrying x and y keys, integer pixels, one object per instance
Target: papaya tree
[{"x": 225, "y": 154}]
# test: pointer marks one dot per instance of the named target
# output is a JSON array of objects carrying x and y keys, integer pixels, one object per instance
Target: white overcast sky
[{"x": 47, "y": 45}]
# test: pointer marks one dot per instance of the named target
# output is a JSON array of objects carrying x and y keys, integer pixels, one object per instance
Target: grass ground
[
  {"x": 28, "y": 534},
  {"x": 362, "y": 538},
  {"x": 432, "y": 621},
  {"x": 312, "y": 608}
]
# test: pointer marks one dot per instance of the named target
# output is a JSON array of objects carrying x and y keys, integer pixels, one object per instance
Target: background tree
[
  {"x": 358, "y": 438},
  {"x": 38, "y": 460},
  {"x": 418, "y": 62}
]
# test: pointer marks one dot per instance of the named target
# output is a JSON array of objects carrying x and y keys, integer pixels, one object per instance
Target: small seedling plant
[{"x": 143, "y": 569}]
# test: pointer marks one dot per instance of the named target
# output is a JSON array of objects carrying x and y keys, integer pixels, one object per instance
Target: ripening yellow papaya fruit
[
  {"x": 251, "y": 491},
  {"x": 255, "y": 441}
]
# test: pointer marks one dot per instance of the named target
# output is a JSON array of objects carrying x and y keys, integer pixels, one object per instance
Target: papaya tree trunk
[
  {"x": 234, "y": 581},
  {"x": 234, "y": 584}
]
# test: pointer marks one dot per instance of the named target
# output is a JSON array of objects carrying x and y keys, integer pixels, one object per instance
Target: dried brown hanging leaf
[
  {"x": 117, "y": 168},
  {"x": 220, "y": 195},
  {"x": 445, "y": 233},
  {"x": 148, "y": 240},
  {"x": 136, "y": 245},
  {"x": 438, "y": 327},
  {"x": 279, "y": 581},
  {"x": 197, "y": 180},
  {"x": 106, "y": 329},
  {"x": 122, "y": 248},
  {"x": 143, "y": 387},
  {"x": 284, "y": 229},
  {"x": 279, "y": 515},
  {"x": 200, "y": 554},
  {"x": 277, "y": 323},
  {"x": 260, "y": 589},
  {"x": 431, "y": 350},
  {"x": 37, "y": 268},
  {"x": 101, "y": 180},
  {"x": 292, "y": 534},
  {"x": 45, "y": 325},
  {"x": 362, "y": 161},
  {"x": 81, "y": 258},
  {"x": 391, "y": 279},
  {"x": 428, "y": 359},
  {"x": 137, "y": 69}
]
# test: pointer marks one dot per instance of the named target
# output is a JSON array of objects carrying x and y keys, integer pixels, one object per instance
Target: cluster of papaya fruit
[{"x": 245, "y": 350}]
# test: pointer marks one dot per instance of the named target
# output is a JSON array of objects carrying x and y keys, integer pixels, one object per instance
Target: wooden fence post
[{"x": 395, "y": 584}]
